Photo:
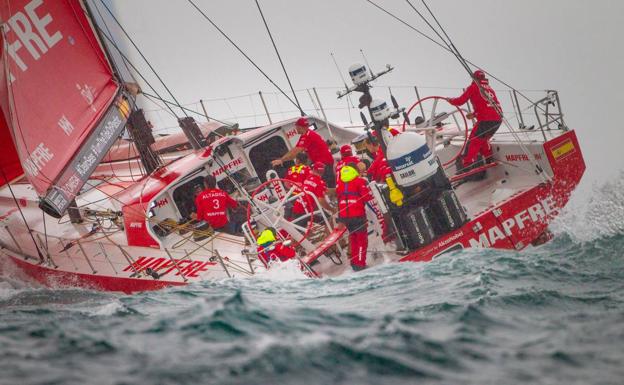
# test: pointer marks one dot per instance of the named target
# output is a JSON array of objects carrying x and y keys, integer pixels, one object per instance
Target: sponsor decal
[
  {"x": 37, "y": 159},
  {"x": 85, "y": 161},
  {"x": 162, "y": 202},
  {"x": 34, "y": 34},
  {"x": 165, "y": 266},
  {"x": 136, "y": 225},
  {"x": 66, "y": 125},
  {"x": 88, "y": 94},
  {"x": 410, "y": 159},
  {"x": 534, "y": 214},
  {"x": 563, "y": 149},
  {"x": 229, "y": 166},
  {"x": 521, "y": 157},
  {"x": 291, "y": 133}
]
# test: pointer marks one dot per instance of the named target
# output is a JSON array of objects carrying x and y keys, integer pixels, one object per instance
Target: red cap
[
  {"x": 318, "y": 166},
  {"x": 302, "y": 122},
  {"x": 479, "y": 75},
  {"x": 346, "y": 150}
]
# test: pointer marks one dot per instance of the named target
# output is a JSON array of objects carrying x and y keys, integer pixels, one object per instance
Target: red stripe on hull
[{"x": 57, "y": 278}]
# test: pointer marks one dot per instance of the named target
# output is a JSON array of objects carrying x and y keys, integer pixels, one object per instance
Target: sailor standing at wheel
[
  {"x": 316, "y": 148},
  {"x": 487, "y": 112}
]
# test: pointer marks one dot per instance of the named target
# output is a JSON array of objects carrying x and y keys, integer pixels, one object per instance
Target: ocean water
[{"x": 547, "y": 315}]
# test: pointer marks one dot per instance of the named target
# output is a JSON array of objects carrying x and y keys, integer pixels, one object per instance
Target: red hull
[
  {"x": 56, "y": 278},
  {"x": 521, "y": 219}
]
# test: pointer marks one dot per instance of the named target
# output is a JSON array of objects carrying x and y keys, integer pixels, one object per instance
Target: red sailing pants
[
  {"x": 479, "y": 141},
  {"x": 358, "y": 239}
]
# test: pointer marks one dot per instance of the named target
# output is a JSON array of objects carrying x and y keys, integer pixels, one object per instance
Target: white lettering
[
  {"x": 12, "y": 48},
  {"x": 41, "y": 23},
  {"x": 508, "y": 224},
  {"x": 495, "y": 234},
  {"x": 37, "y": 160},
  {"x": 549, "y": 205},
  {"x": 536, "y": 212},
  {"x": 23, "y": 29},
  {"x": 66, "y": 125},
  {"x": 520, "y": 218},
  {"x": 481, "y": 242}
]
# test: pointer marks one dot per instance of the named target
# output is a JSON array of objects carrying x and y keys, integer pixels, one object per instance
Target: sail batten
[{"x": 59, "y": 96}]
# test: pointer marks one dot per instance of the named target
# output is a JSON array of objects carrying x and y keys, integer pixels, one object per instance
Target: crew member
[
  {"x": 379, "y": 168},
  {"x": 212, "y": 205},
  {"x": 269, "y": 250},
  {"x": 353, "y": 193},
  {"x": 487, "y": 111},
  {"x": 315, "y": 185},
  {"x": 300, "y": 171},
  {"x": 346, "y": 156},
  {"x": 316, "y": 148}
]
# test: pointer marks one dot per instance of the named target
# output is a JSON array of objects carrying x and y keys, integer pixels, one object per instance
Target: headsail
[{"x": 59, "y": 96}]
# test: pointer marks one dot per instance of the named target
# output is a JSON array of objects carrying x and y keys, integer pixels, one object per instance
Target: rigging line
[
  {"x": 124, "y": 57},
  {"x": 45, "y": 231},
  {"x": 242, "y": 53},
  {"x": 110, "y": 33},
  {"x": 448, "y": 44},
  {"x": 484, "y": 94},
  {"x": 182, "y": 107},
  {"x": 279, "y": 57},
  {"x": 445, "y": 48},
  {"x": 19, "y": 208},
  {"x": 142, "y": 56}
]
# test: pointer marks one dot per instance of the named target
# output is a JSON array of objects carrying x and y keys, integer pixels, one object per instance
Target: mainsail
[{"x": 61, "y": 101}]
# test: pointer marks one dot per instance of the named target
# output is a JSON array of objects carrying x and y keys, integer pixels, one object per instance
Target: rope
[
  {"x": 243, "y": 53},
  {"x": 142, "y": 56},
  {"x": 19, "y": 208},
  {"x": 279, "y": 57}
]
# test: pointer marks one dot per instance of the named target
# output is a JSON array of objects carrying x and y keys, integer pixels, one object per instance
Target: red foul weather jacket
[
  {"x": 344, "y": 161},
  {"x": 278, "y": 252},
  {"x": 379, "y": 167},
  {"x": 212, "y": 205},
  {"x": 483, "y": 110},
  {"x": 352, "y": 198}
]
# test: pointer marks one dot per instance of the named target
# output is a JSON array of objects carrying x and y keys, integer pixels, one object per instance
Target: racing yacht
[{"x": 82, "y": 206}]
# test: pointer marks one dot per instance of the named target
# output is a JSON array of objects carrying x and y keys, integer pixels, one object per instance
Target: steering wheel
[
  {"x": 272, "y": 214},
  {"x": 432, "y": 117}
]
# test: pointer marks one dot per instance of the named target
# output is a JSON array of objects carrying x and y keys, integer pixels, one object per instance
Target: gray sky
[{"x": 569, "y": 45}]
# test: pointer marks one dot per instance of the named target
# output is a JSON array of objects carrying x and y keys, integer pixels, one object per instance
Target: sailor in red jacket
[
  {"x": 315, "y": 185},
  {"x": 212, "y": 205},
  {"x": 346, "y": 157},
  {"x": 379, "y": 168},
  {"x": 301, "y": 170},
  {"x": 269, "y": 250},
  {"x": 353, "y": 193},
  {"x": 487, "y": 111},
  {"x": 316, "y": 148}
]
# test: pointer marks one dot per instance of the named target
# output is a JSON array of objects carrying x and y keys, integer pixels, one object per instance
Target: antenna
[
  {"x": 366, "y": 61},
  {"x": 338, "y": 69}
]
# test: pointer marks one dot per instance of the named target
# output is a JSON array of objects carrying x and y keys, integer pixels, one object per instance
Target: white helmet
[
  {"x": 359, "y": 74},
  {"x": 379, "y": 110}
]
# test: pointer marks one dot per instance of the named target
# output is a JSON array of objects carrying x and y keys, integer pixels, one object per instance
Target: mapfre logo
[
  {"x": 29, "y": 29},
  {"x": 136, "y": 225}
]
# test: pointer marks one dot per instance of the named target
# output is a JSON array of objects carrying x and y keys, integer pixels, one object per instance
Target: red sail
[
  {"x": 56, "y": 89},
  {"x": 10, "y": 167}
]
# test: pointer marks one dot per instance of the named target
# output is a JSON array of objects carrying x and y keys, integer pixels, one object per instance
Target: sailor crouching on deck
[
  {"x": 269, "y": 250},
  {"x": 353, "y": 193},
  {"x": 316, "y": 148},
  {"x": 212, "y": 205}
]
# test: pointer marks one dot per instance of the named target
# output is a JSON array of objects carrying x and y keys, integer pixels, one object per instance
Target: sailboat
[{"x": 81, "y": 206}]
